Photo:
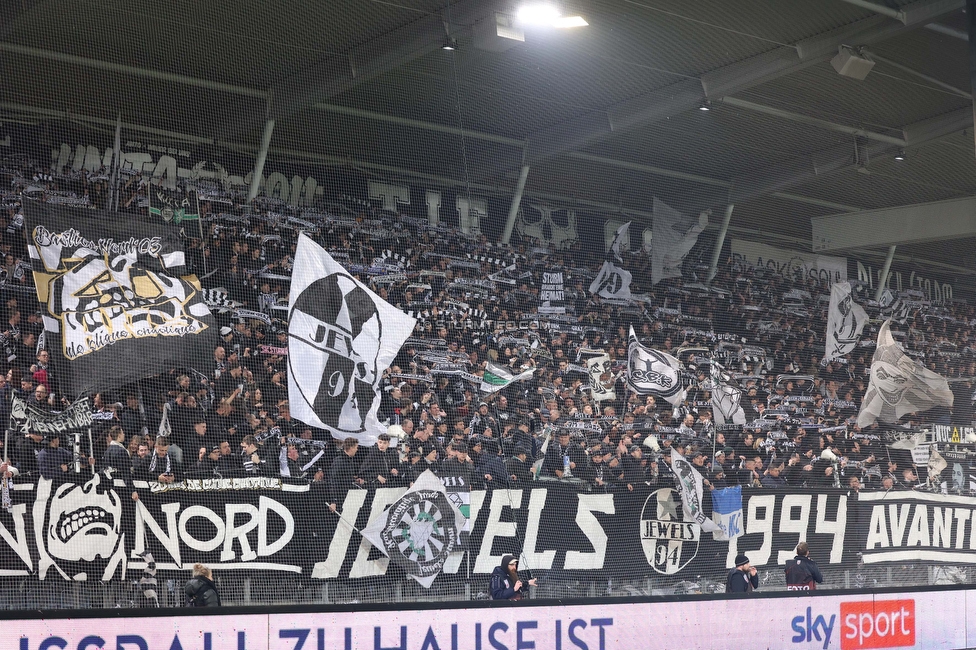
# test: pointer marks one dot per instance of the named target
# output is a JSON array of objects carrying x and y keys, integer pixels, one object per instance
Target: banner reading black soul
[{"x": 117, "y": 304}]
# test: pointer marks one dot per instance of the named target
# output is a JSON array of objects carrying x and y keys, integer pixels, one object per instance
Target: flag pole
[
  {"x": 91, "y": 450},
  {"x": 113, "y": 198}
]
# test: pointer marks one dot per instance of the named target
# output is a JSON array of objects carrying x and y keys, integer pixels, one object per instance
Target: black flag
[{"x": 116, "y": 304}]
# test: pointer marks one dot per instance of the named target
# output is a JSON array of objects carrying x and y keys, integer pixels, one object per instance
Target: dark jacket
[
  {"x": 770, "y": 481},
  {"x": 493, "y": 465},
  {"x": 739, "y": 582},
  {"x": 521, "y": 470},
  {"x": 117, "y": 457},
  {"x": 201, "y": 592},
  {"x": 342, "y": 477},
  {"x": 379, "y": 463},
  {"x": 50, "y": 460},
  {"x": 25, "y": 452},
  {"x": 500, "y": 586},
  {"x": 802, "y": 574},
  {"x": 554, "y": 458}
]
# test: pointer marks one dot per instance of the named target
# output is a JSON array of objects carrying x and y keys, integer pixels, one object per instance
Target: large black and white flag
[
  {"x": 689, "y": 483},
  {"x": 899, "y": 384},
  {"x": 613, "y": 281},
  {"x": 117, "y": 301},
  {"x": 674, "y": 236},
  {"x": 342, "y": 337},
  {"x": 653, "y": 372},
  {"x": 845, "y": 320},
  {"x": 420, "y": 530},
  {"x": 726, "y": 398}
]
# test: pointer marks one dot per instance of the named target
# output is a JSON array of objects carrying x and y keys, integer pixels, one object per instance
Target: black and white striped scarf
[{"x": 152, "y": 464}]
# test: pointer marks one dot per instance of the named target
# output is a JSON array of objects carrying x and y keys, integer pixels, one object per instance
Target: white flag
[
  {"x": 165, "y": 429},
  {"x": 613, "y": 281},
  {"x": 342, "y": 336},
  {"x": 845, "y": 320},
  {"x": 899, "y": 384},
  {"x": 541, "y": 458},
  {"x": 726, "y": 398},
  {"x": 653, "y": 372},
  {"x": 497, "y": 377},
  {"x": 601, "y": 378},
  {"x": 689, "y": 483},
  {"x": 420, "y": 530},
  {"x": 674, "y": 236}
]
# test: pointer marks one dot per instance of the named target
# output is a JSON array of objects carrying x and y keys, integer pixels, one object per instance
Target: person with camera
[
  {"x": 802, "y": 573},
  {"x": 505, "y": 583},
  {"x": 743, "y": 579}
]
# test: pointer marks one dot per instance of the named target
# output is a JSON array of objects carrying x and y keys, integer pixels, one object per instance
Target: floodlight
[
  {"x": 566, "y": 22},
  {"x": 449, "y": 45},
  {"x": 900, "y": 155},
  {"x": 538, "y": 14},
  {"x": 705, "y": 106}
]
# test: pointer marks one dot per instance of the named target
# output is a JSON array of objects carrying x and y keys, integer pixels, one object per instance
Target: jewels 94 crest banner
[
  {"x": 118, "y": 305},
  {"x": 342, "y": 338}
]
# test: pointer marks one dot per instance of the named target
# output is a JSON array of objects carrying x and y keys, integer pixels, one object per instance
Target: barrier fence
[
  {"x": 922, "y": 618},
  {"x": 274, "y": 541}
]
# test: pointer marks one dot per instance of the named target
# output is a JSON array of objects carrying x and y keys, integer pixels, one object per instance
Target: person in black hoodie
[
  {"x": 200, "y": 590},
  {"x": 505, "y": 583}
]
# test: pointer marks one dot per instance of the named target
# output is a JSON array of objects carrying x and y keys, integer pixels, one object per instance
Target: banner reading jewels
[{"x": 92, "y": 530}]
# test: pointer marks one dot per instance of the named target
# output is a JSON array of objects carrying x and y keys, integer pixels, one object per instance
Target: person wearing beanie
[
  {"x": 743, "y": 579},
  {"x": 505, "y": 583}
]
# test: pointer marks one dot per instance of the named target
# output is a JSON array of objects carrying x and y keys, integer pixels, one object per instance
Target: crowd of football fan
[{"x": 476, "y": 302}]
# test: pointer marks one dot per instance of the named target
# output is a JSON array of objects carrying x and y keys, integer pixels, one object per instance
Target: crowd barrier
[{"x": 924, "y": 618}]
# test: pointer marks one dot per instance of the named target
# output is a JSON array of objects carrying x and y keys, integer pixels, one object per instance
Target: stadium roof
[{"x": 606, "y": 115}]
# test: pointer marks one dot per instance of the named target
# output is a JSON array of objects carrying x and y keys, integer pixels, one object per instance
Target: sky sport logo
[
  {"x": 877, "y": 624},
  {"x": 864, "y": 624}
]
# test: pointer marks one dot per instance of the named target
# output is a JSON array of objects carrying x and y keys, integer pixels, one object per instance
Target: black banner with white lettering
[
  {"x": 908, "y": 526},
  {"x": 552, "y": 295},
  {"x": 93, "y": 531}
]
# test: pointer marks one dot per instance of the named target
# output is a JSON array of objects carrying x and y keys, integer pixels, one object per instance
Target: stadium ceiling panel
[{"x": 606, "y": 116}]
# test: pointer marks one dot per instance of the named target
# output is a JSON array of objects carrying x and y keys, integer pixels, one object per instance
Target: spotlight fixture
[
  {"x": 705, "y": 106},
  {"x": 900, "y": 155},
  {"x": 547, "y": 15},
  {"x": 567, "y": 22},
  {"x": 538, "y": 14}
]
